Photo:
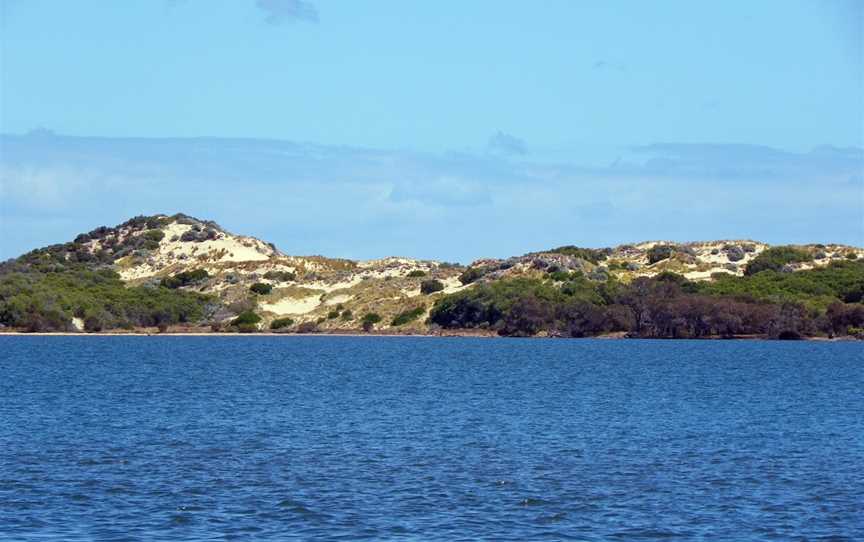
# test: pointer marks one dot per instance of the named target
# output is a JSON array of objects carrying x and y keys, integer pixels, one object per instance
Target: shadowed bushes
[
  {"x": 776, "y": 258},
  {"x": 261, "y": 288},
  {"x": 770, "y": 304},
  {"x": 431, "y": 286},
  {"x": 280, "y": 323},
  {"x": 407, "y": 316}
]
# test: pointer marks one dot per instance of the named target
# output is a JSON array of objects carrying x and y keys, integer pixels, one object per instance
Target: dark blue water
[{"x": 273, "y": 438}]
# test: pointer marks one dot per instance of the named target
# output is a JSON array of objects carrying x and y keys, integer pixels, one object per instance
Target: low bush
[
  {"x": 776, "y": 258},
  {"x": 154, "y": 235},
  {"x": 659, "y": 253},
  {"x": 281, "y": 323},
  {"x": 408, "y": 316},
  {"x": 198, "y": 235},
  {"x": 559, "y": 276},
  {"x": 416, "y": 273},
  {"x": 261, "y": 288},
  {"x": 280, "y": 276},
  {"x": 185, "y": 278},
  {"x": 734, "y": 253},
  {"x": 247, "y": 317},
  {"x": 369, "y": 320},
  {"x": 593, "y": 255},
  {"x": 431, "y": 286},
  {"x": 308, "y": 327},
  {"x": 471, "y": 275}
]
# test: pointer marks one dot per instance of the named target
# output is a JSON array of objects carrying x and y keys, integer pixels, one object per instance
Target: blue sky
[{"x": 452, "y": 130}]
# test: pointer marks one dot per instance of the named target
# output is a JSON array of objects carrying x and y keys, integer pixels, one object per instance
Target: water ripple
[{"x": 203, "y": 438}]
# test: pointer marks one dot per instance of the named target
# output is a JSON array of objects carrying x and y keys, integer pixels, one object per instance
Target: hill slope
[{"x": 178, "y": 270}]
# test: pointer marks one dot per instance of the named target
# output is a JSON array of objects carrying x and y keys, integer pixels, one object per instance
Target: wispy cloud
[
  {"x": 358, "y": 202},
  {"x": 507, "y": 144},
  {"x": 609, "y": 65},
  {"x": 749, "y": 162},
  {"x": 279, "y": 11}
]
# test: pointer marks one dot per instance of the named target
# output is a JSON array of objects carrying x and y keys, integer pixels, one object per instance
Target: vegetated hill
[{"x": 167, "y": 271}]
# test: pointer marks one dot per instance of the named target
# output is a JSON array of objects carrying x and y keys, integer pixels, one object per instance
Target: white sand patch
[
  {"x": 392, "y": 261},
  {"x": 719, "y": 258},
  {"x": 193, "y": 254},
  {"x": 336, "y": 299},
  {"x": 705, "y": 275},
  {"x": 453, "y": 284},
  {"x": 225, "y": 248},
  {"x": 136, "y": 272},
  {"x": 78, "y": 323},
  {"x": 343, "y": 285},
  {"x": 290, "y": 305}
]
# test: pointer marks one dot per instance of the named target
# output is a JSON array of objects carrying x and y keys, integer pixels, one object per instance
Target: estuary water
[{"x": 345, "y": 438}]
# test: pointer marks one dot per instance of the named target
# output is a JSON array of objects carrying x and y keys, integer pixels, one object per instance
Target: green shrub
[
  {"x": 369, "y": 320},
  {"x": 593, "y": 255},
  {"x": 94, "y": 323},
  {"x": 776, "y": 258},
  {"x": 851, "y": 256},
  {"x": 814, "y": 288},
  {"x": 659, "y": 253},
  {"x": 431, "y": 286},
  {"x": 261, "y": 288},
  {"x": 416, "y": 273},
  {"x": 154, "y": 235},
  {"x": 308, "y": 327},
  {"x": 559, "y": 276},
  {"x": 247, "y": 317},
  {"x": 46, "y": 301},
  {"x": 185, "y": 278},
  {"x": 471, "y": 275},
  {"x": 332, "y": 315},
  {"x": 408, "y": 316},
  {"x": 280, "y": 323},
  {"x": 347, "y": 315},
  {"x": 280, "y": 276}
]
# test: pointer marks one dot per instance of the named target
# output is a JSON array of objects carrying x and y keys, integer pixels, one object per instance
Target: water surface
[{"x": 214, "y": 438}]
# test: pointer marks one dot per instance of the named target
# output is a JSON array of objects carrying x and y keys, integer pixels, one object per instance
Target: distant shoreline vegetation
[
  {"x": 819, "y": 302},
  {"x": 777, "y": 293}
]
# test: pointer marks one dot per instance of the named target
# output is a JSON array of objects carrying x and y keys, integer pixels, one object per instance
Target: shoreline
[{"x": 614, "y": 336}]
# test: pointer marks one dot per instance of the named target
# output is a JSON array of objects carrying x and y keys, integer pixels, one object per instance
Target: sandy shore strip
[
  {"x": 224, "y": 334},
  {"x": 468, "y": 335}
]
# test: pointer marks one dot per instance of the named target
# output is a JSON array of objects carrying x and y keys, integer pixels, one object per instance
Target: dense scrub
[
  {"x": 659, "y": 253},
  {"x": 407, "y": 316},
  {"x": 261, "y": 288},
  {"x": 281, "y": 276},
  {"x": 185, "y": 278},
  {"x": 776, "y": 258},
  {"x": 369, "y": 320},
  {"x": 593, "y": 255},
  {"x": 280, "y": 323},
  {"x": 47, "y": 301},
  {"x": 815, "y": 289},
  {"x": 46, "y": 288},
  {"x": 779, "y": 305},
  {"x": 471, "y": 274},
  {"x": 431, "y": 286}
]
